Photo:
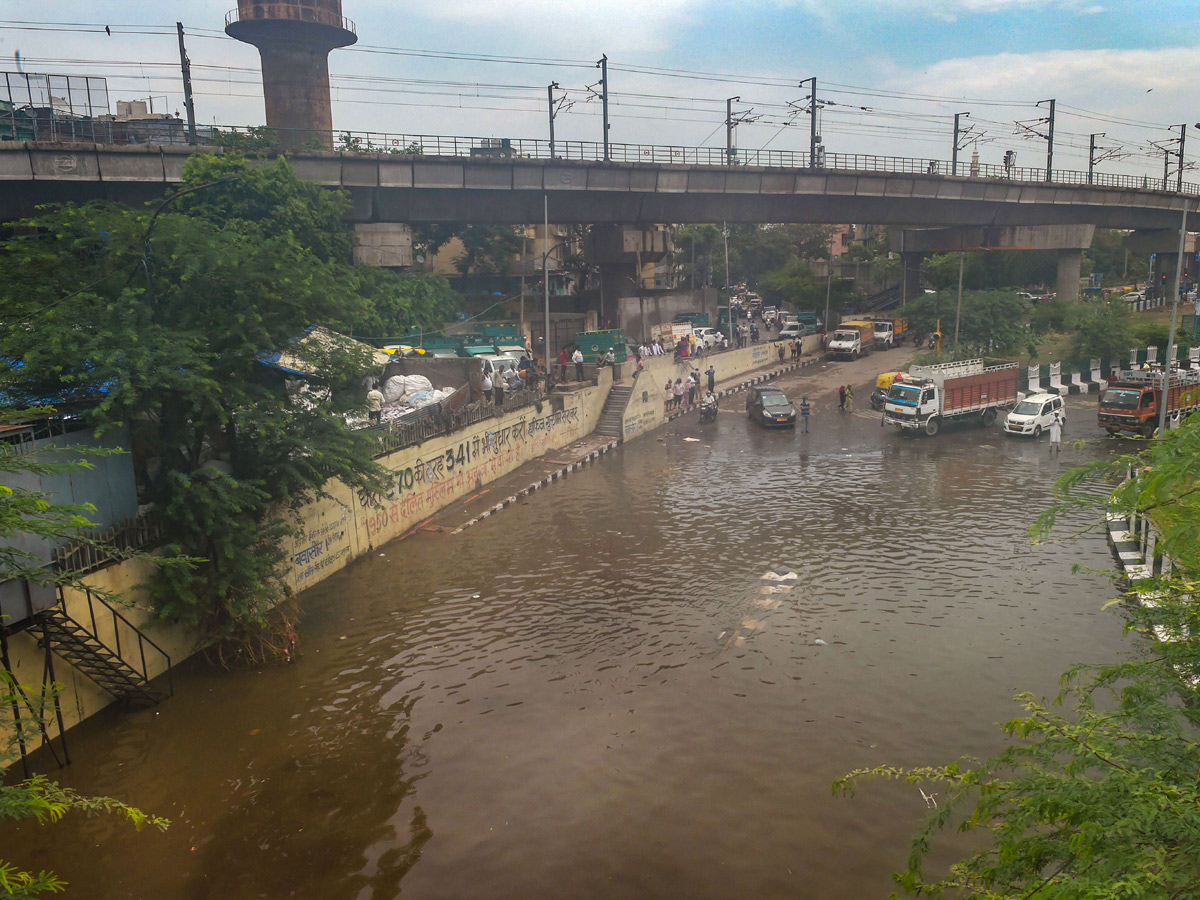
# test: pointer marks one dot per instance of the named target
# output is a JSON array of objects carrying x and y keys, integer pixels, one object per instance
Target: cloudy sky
[{"x": 890, "y": 73}]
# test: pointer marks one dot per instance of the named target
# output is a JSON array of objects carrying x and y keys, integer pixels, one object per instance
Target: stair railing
[{"x": 117, "y": 621}]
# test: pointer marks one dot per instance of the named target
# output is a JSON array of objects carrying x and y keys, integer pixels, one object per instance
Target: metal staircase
[
  {"x": 105, "y": 665},
  {"x": 612, "y": 415},
  {"x": 885, "y": 298}
]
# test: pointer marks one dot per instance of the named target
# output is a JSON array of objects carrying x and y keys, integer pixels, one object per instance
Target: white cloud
[{"x": 560, "y": 27}]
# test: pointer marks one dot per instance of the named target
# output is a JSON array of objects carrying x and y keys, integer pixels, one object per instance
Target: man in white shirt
[{"x": 577, "y": 358}]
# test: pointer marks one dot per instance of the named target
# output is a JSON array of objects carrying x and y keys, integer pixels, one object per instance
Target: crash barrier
[{"x": 1055, "y": 378}]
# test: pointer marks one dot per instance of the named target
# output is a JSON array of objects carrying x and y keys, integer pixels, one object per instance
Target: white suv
[
  {"x": 707, "y": 337},
  {"x": 1034, "y": 414}
]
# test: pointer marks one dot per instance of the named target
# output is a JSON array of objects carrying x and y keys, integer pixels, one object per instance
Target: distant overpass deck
[{"x": 423, "y": 179}]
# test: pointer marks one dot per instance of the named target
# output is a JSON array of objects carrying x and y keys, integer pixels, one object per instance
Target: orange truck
[{"x": 1132, "y": 403}]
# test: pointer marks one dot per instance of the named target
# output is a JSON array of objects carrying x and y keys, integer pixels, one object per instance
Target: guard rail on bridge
[{"x": 250, "y": 138}]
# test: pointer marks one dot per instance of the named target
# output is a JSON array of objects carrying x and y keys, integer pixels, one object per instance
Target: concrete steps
[{"x": 610, "y": 425}]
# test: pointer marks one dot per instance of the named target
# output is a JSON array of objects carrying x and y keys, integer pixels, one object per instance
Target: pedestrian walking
[
  {"x": 805, "y": 410},
  {"x": 849, "y": 398},
  {"x": 577, "y": 358},
  {"x": 374, "y": 404},
  {"x": 712, "y": 379},
  {"x": 842, "y": 397},
  {"x": 1056, "y": 434}
]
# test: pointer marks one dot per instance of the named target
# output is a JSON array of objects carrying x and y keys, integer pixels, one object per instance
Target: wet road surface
[{"x": 594, "y": 694}]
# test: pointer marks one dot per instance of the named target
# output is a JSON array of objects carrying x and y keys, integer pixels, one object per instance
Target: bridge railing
[{"x": 404, "y": 144}]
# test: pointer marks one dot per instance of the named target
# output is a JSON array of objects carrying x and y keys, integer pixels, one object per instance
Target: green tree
[
  {"x": 1100, "y": 329},
  {"x": 991, "y": 322},
  {"x": 28, "y": 512},
  {"x": 175, "y": 344},
  {"x": 1096, "y": 797}
]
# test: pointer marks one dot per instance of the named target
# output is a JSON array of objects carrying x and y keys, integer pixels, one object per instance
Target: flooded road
[{"x": 594, "y": 694}]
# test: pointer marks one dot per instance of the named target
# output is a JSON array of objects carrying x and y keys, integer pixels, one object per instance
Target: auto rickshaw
[{"x": 882, "y": 384}]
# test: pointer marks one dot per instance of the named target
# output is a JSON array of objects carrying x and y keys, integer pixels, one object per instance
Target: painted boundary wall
[
  {"x": 337, "y": 529},
  {"x": 334, "y": 531}
]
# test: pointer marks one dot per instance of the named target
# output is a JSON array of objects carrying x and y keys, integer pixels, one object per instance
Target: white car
[
  {"x": 1134, "y": 296},
  {"x": 791, "y": 331},
  {"x": 706, "y": 337},
  {"x": 1034, "y": 414}
]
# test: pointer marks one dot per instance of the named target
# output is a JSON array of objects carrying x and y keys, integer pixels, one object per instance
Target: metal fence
[
  {"x": 259, "y": 137},
  {"x": 100, "y": 547},
  {"x": 439, "y": 419}
]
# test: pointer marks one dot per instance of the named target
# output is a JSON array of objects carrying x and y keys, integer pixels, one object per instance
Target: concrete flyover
[{"x": 394, "y": 187}]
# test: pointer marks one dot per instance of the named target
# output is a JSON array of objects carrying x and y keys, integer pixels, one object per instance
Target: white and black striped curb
[
  {"x": 1127, "y": 548},
  {"x": 757, "y": 379},
  {"x": 538, "y": 485}
]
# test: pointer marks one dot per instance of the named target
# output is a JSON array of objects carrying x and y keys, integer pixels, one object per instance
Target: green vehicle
[{"x": 594, "y": 344}]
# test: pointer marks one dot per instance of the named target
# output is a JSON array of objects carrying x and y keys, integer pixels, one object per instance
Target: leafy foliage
[
  {"x": 1096, "y": 797},
  {"x": 1100, "y": 330},
  {"x": 26, "y": 512},
  {"x": 164, "y": 322},
  {"x": 991, "y": 322}
]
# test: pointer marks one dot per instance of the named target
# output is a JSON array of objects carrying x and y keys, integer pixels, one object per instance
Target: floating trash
[{"x": 775, "y": 575}]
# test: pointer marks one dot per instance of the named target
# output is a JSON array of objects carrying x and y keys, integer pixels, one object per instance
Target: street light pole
[
  {"x": 1166, "y": 384},
  {"x": 546, "y": 280},
  {"x": 728, "y": 297},
  {"x": 962, "y": 258}
]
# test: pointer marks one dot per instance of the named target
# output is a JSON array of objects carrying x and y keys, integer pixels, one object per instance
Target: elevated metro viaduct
[{"x": 398, "y": 188}]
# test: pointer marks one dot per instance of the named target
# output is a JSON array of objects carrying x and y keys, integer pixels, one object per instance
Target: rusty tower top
[{"x": 294, "y": 38}]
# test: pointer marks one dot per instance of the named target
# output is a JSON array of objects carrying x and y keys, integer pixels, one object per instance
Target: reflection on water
[{"x": 595, "y": 694}]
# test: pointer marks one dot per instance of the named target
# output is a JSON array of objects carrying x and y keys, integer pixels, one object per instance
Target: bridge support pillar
[
  {"x": 910, "y": 278},
  {"x": 1066, "y": 285}
]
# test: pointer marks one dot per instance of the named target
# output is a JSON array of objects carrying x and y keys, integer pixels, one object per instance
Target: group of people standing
[
  {"x": 676, "y": 391},
  {"x": 517, "y": 376},
  {"x": 846, "y": 397}
]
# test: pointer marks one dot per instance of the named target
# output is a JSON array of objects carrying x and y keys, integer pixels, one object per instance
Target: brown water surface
[{"x": 594, "y": 695}]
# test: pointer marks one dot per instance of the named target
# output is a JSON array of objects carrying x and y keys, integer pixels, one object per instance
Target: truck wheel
[
  {"x": 1112, "y": 431},
  {"x": 933, "y": 425},
  {"x": 853, "y": 355},
  {"x": 988, "y": 417},
  {"x": 1037, "y": 432}
]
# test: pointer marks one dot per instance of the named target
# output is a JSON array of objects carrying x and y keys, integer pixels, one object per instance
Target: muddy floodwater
[{"x": 594, "y": 694}]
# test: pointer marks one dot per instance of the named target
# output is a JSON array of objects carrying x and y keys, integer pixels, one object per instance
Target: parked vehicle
[
  {"x": 791, "y": 331},
  {"x": 931, "y": 395},
  {"x": 809, "y": 319},
  {"x": 1034, "y": 414},
  {"x": 1131, "y": 404},
  {"x": 708, "y": 338},
  {"x": 1134, "y": 296},
  {"x": 889, "y": 332},
  {"x": 883, "y": 384},
  {"x": 852, "y": 340},
  {"x": 770, "y": 407}
]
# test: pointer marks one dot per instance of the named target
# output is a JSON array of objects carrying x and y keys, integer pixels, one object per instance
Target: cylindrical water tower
[{"x": 294, "y": 38}]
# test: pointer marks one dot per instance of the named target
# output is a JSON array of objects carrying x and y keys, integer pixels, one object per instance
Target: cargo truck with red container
[
  {"x": 1132, "y": 403},
  {"x": 930, "y": 396}
]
